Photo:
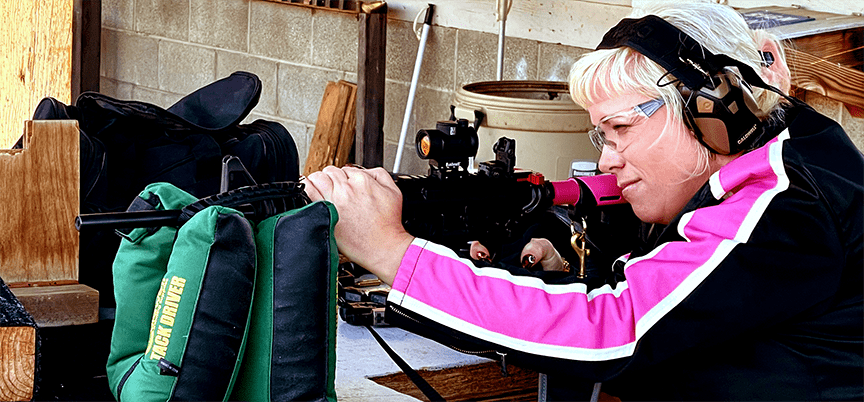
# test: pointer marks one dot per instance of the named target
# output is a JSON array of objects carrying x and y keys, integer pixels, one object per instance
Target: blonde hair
[{"x": 620, "y": 71}]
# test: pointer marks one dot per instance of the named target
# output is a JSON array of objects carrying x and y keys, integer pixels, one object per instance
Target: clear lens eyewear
[{"x": 644, "y": 110}]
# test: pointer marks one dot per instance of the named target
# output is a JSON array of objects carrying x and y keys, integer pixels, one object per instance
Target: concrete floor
[
  {"x": 359, "y": 356},
  {"x": 78, "y": 373}
]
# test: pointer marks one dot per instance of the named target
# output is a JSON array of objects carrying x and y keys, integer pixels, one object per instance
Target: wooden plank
[
  {"x": 39, "y": 195},
  {"x": 837, "y": 38},
  {"x": 17, "y": 348},
  {"x": 17, "y": 363},
  {"x": 36, "y": 44},
  {"x": 840, "y": 83},
  {"x": 841, "y": 47},
  {"x": 371, "y": 68},
  {"x": 55, "y": 306},
  {"x": 328, "y": 128},
  {"x": 477, "y": 382},
  {"x": 346, "y": 137}
]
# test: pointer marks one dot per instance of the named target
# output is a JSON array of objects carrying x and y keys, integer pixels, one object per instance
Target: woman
[{"x": 750, "y": 285}]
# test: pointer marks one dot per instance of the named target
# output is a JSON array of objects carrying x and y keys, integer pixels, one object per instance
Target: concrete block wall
[
  {"x": 157, "y": 51},
  {"x": 837, "y": 111}
]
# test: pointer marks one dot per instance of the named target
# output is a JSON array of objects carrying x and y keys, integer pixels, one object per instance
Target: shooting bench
[
  {"x": 52, "y": 49},
  {"x": 39, "y": 247}
]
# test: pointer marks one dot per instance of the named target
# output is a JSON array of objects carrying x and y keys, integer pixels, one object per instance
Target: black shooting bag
[{"x": 126, "y": 145}]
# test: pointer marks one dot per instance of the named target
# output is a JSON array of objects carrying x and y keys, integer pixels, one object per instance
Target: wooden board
[
  {"x": 17, "y": 363},
  {"x": 39, "y": 197},
  {"x": 840, "y": 83},
  {"x": 17, "y": 348},
  {"x": 371, "y": 70},
  {"x": 823, "y": 52},
  {"x": 60, "y": 305},
  {"x": 478, "y": 382},
  {"x": 346, "y": 136},
  {"x": 334, "y": 112},
  {"x": 35, "y": 60}
]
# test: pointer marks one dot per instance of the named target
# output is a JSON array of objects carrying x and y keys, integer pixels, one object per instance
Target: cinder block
[
  {"x": 477, "y": 58},
  {"x": 854, "y": 126},
  {"x": 430, "y": 107},
  {"x": 395, "y": 104},
  {"x": 118, "y": 14},
  {"x": 166, "y": 18},
  {"x": 438, "y": 59},
  {"x": 281, "y": 32},
  {"x": 401, "y": 50},
  {"x": 159, "y": 98},
  {"x": 107, "y": 86},
  {"x": 557, "y": 60},
  {"x": 301, "y": 90},
  {"x": 825, "y": 105},
  {"x": 115, "y": 89},
  {"x": 223, "y": 23},
  {"x": 229, "y": 62},
  {"x": 351, "y": 77},
  {"x": 183, "y": 68},
  {"x": 129, "y": 57},
  {"x": 334, "y": 41}
]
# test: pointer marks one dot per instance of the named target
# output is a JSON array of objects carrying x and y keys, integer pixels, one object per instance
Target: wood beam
[
  {"x": 17, "y": 348},
  {"x": 371, "y": 63},
  {"x": 812, "y": 73},
  {"x": 86, "y": 46}
]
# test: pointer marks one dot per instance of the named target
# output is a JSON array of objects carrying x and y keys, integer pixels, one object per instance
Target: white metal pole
[
  {"x": 413, "y": 89},
  {"x": 502, "y": 8},
  {"x": 500, "y": 71}
]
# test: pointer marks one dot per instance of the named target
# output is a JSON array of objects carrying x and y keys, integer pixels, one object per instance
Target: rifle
[
  {"x": 496, "y": 204},
  {"x": 450, "y": 206}
]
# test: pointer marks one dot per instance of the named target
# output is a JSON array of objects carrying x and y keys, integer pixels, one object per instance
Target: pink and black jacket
[{"x": 753, "y": 292}]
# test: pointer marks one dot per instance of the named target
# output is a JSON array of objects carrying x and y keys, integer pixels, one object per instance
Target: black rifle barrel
[{"x": 122, "y": 220}]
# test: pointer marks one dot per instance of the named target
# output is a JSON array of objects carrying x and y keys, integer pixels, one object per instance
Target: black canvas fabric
[{"x": 126, "y": 145}]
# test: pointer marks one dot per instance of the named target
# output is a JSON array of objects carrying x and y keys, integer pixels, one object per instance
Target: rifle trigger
[{"x": 577, "y": 241}]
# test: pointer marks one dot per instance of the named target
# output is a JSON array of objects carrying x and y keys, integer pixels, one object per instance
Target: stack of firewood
[{"x": 334, "y": 130}]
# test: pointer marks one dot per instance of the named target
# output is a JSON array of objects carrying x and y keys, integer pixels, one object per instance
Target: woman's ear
[{"x": 777, "y": 72}]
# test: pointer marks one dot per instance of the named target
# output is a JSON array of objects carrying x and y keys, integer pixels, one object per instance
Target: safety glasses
[{"x": 630, "y": 117}]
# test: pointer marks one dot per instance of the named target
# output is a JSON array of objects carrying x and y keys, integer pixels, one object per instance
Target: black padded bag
[{"x": 126, "y": 145}]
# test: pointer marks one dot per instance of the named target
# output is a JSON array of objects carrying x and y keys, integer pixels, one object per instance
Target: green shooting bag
[{"x": 226, "y": 307}]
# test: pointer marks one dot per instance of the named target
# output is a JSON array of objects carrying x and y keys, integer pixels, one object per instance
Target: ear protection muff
[
  {"x": 722, "y": 114},
  {"x": 719, "y": 104}
]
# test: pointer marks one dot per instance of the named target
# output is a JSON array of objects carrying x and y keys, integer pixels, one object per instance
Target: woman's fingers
[
  {"x": 479, "y": 252},
  {"x": 369, "y": 230},
  {"x": 541, "y": 251}
]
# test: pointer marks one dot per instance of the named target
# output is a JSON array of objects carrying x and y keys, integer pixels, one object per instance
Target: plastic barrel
[{"x": 549, "y": 128}]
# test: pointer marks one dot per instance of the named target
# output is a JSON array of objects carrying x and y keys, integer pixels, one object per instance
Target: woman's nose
[{"x": 609, "y": 160}]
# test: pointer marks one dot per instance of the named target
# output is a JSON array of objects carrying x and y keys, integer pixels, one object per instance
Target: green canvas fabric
[
  {"x": 186, "y": 326},
  {"x": 231, "y": 309},
  {"x": 291, "y": 353},
  {"x": 139, "y": 267}
]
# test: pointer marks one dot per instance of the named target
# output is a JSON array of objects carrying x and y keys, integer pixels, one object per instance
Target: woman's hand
[
  {"x": 369, "y": 231},
  {"x": 536, "y": 251}
]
